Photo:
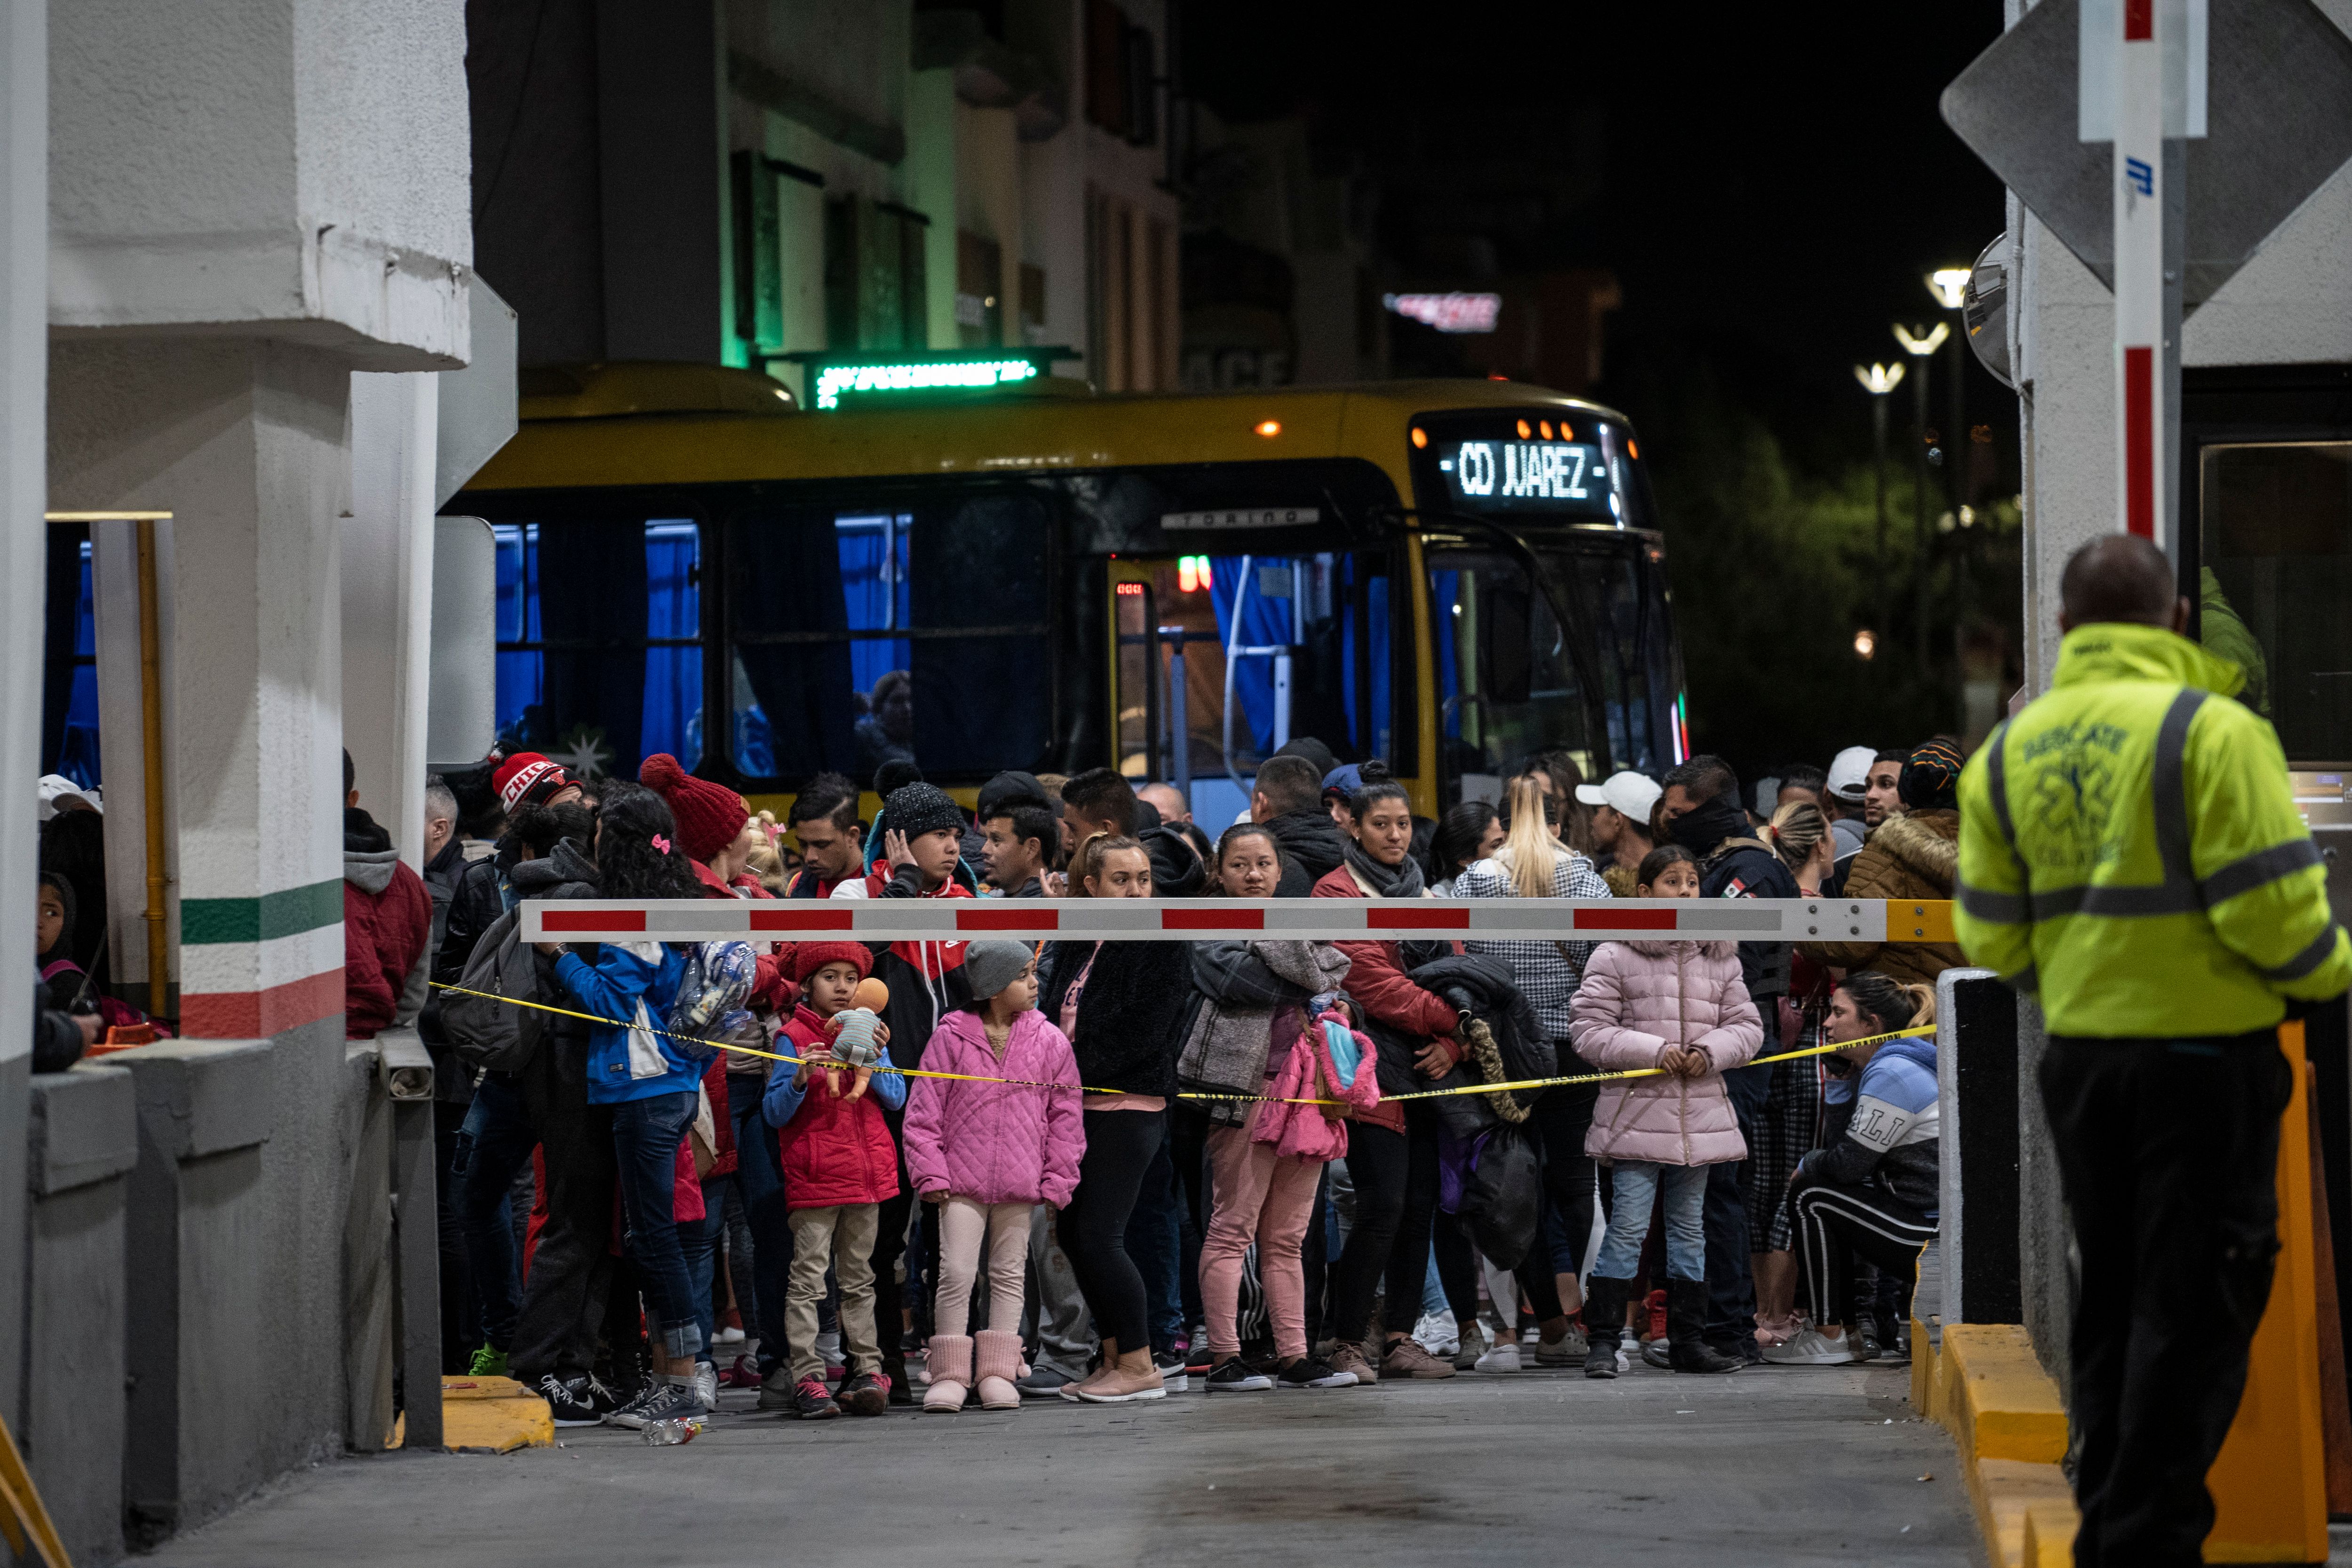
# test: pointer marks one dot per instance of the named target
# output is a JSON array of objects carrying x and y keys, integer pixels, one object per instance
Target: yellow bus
[{"x": 1450, "y": 575}]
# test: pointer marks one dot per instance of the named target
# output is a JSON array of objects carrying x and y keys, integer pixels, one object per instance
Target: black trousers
[
  {"x": 1120, "y": 1145},
  {"x": 2168, "y": 1149},
  {"x": 1834, "y": 1224},
  {"x": 1730, "y": 1286},
  {"x": 564, "y": 1298}
]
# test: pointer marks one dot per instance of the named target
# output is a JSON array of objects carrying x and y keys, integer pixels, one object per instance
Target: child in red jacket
[{"x": 840, "y": 1165}]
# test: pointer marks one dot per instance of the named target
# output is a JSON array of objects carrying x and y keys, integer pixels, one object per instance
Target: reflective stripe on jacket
[{"x": 2130, "y": 848}]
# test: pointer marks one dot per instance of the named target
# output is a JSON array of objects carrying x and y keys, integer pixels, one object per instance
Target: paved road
[{"x": 1763, "y": 1468}]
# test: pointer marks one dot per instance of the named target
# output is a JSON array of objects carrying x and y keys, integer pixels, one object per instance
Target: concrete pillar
[
  {"x": 1975, "y": 1059},
  {"x": 24, "y": 332},
  {"x": 387, "y": 593},
  {"x": 236, "y": 1230}
]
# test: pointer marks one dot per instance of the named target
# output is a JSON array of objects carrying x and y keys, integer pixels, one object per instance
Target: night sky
[{"x": 1770, "y": 185}]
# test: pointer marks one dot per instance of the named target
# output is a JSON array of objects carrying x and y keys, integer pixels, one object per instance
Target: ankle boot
[
  {"x": 1686, "y": 1346},
  {"x": 1604, "y": 1319},
  {"x": 996, "y": 1368},
  {"x": 950, "y": 1365}
]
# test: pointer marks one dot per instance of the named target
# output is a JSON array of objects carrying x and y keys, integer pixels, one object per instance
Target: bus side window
[{"x": 599, "y": 639}]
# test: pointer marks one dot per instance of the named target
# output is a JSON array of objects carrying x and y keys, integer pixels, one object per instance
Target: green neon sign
[{"x": 833, "y": 379}]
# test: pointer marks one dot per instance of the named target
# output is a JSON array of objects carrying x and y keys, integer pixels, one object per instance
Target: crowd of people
[{"x": 1150, "y": 1162}]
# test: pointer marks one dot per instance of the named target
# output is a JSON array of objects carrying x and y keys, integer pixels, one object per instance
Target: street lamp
[
  {"x": 1878, "y": 380},
  {"x": 1949, "y": 285},
  {"x": 1921, "y": 345}
]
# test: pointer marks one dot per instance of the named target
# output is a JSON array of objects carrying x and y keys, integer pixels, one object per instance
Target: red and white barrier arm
[{"x": 1187, "y": 920}]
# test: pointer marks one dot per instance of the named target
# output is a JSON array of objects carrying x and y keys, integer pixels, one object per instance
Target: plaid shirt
[{"x": 1547, "y": 974}]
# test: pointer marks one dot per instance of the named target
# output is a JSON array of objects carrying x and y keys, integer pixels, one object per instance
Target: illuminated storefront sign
[{"x": 1448, "y": 313}]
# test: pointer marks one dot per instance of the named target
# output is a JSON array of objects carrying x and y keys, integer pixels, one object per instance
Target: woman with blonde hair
[{"x": 1533, "y": 863}]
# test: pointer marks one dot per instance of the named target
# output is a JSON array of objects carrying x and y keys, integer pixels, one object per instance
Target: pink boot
[
  {"x": 999, "y": 1358},
  {"x": 950, "y": 1365}
]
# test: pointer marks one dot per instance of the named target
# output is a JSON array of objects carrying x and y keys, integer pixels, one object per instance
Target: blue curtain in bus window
[
  {"x": 984, "y": 701},
  {"x": 518, "y": 668},
  {"x": 592, "y": 613},
  {"x": 874, "y": 594},
  {"x": 785, "y": 603},
  {"x": 1265, "y": 622},
  {"x": 1365, "y": 658},
  {"x": 1444, "y": 592},
  {"x": 68, "y": 664},
  {"x": 673, "y": 699}
]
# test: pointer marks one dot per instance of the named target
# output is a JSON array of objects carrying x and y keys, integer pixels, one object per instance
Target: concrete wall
[
  {"x": 83, "y": 1141},
  {"x": 243, "y": 166}
]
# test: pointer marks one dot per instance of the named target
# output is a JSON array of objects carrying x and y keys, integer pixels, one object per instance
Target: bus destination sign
[{"x": 1483, "y": 476}]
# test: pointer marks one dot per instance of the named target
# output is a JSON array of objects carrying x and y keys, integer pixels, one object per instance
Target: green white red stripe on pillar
[{"x": 251, "y": 967}]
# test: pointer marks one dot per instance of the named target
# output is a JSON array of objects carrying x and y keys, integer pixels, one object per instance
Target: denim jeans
[
  {"x": 1636, "y": 1182},
  {"x": 493, "y": 1145},
  {"x": 698, "y": 1243},
  {"x": 761, "y": 1185},
  {"x": 646, "y": 1134}
]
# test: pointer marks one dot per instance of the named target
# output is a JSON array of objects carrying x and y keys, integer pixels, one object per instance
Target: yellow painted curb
[
  {"x": 489, "y": 1416},
  {"x": 1997, "y": 1400},
  {"x": 1926, "y": 1382},
  {"x": 2025, "y": 1511}
]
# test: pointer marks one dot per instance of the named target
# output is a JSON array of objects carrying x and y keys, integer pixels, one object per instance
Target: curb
[{"x": 1982, "y": 1384}]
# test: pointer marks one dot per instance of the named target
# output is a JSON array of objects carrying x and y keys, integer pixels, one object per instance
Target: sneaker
[
  {"x": 568, "y": 1401},
  {"x": 1309, "y": 1372},
  {"x": 666, "y": 1402},
  {"x": 1198, "y": 1362},
  {"x": 1603, "y": 1362},
  {"x": 1623, "y": 1363},
  {"x": 603, "y": 1397},
  {"x": 1111, "y": 1384},
  {"x": 1043, "y": 1383},
  {"x": 741, "y": 1374},
  {"x": 1863, "y": 1342},
  {"x": 634, "y": 1402},
  {"x": 1437, "y": 1333},
  {"x": 706, "y": 1386},
  {"x": 1659, "y": 1354},
  {"x": 1504, "y": 1357},
  {"x": 776, "y": 1390},
  {"x": 490, "y": 1362},
  {"x": 1174, "y": 1374},
  {"x": 1406, "y": 1359},
  {"x": 1237, "y": 1376},
  {"x": 867, "y": 1393},
  {"x": 1349, "y": 1358},
  {"x": 1812, "y": 1348},
  {"x": 811, "y": 1401},
  {"x": 1469, "y": 1345},
  {"x": 1569, "y": 1349},
  {"x": 731, "y": 1335}
]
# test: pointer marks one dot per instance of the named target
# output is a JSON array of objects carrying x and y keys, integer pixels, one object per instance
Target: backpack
[
  {"x": 487, "y": 1033},
  {"x": 711, "y": 990}
]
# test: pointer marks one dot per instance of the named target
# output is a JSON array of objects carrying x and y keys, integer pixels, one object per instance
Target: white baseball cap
[
  {"x": 1627, "y": 794},
  {"x": 1850, "y": 774}
]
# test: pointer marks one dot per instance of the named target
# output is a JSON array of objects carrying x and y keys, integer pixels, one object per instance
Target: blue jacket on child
[{"x": 635, "y": 980}]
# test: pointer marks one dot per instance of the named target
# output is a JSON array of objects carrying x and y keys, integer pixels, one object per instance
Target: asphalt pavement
[{"x": 1763, "y": 1468}]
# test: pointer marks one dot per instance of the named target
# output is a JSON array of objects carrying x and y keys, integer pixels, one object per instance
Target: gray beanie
[
  {"x": 990, "y": 966},
  {"x": 917, "y": 808}
]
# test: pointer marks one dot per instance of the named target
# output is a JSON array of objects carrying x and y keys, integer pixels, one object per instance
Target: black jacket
[
  {"x": 1481, "y": 985},
  {"x": 1137, "y": 1008},
  {"x": 1312, "y": 849},
  {"x": 1748, "y": 871},
  {"x": 566, "y": 874}
]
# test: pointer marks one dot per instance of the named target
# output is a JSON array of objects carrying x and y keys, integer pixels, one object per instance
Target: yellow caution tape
[{"x": 1188, "y": 1094}]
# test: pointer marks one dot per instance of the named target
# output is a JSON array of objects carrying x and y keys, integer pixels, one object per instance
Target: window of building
[
  {"x": 70, "y": 659},
  {"x": 2275, "y": 538}
]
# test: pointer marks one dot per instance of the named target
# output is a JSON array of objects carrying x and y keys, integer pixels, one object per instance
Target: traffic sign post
[{"x": 2147, "y": 335}]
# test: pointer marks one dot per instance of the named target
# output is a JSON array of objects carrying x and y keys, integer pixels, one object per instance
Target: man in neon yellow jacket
[{"x": 2130, "y": 852}]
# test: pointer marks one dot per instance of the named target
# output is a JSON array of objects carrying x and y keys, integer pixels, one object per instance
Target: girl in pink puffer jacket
[
  {"x": 1677, "y": 1013},
  {"x": 987, "y": 1154}
]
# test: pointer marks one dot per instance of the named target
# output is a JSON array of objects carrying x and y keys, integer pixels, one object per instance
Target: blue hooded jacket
[
  {"x": 635, "y": 982},
  {"x": 1893, "y": 1142}
]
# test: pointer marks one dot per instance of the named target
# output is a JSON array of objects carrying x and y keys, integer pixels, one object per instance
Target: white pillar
[
  {"x": 24, "y": 334},
  {"x": 387, "y": 590},
  {"x": 244, "y": 441}
]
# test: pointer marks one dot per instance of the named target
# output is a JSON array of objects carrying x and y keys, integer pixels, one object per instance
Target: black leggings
[
  {"x": 1093, "y": 1228},
  {"x": 1835, "y": 1224},
  {"x": 1396, "y": 1201}
]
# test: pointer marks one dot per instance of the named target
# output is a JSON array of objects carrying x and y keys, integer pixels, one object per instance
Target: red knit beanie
[
  {"x": 708, "y": 815},
  {"x": 808, "y": 957}
]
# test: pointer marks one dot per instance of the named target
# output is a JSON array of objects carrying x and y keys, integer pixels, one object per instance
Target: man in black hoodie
[
  {"x": 1287, "y": 799},
  {"x": 1702, "y": 812}
]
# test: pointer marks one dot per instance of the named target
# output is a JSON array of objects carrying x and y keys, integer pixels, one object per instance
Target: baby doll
[{"x": 853, "y": 1033}]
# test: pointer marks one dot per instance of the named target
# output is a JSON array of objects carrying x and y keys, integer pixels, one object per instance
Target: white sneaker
[
  {"x": 1812, "y": 1348},
  {"x": 728, "y": 1337},
  {"x": 1624, "y": 1362},
  {"x": 1504, "y": 1357},
  {"x": 1469, "y": 1347},
  {"x": 1437, "y": 1333},
  {"x": 706, "y": 1386}
]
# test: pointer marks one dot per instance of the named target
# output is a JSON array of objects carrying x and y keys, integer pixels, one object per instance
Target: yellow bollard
[{"x": 2269, "y": 1485}]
